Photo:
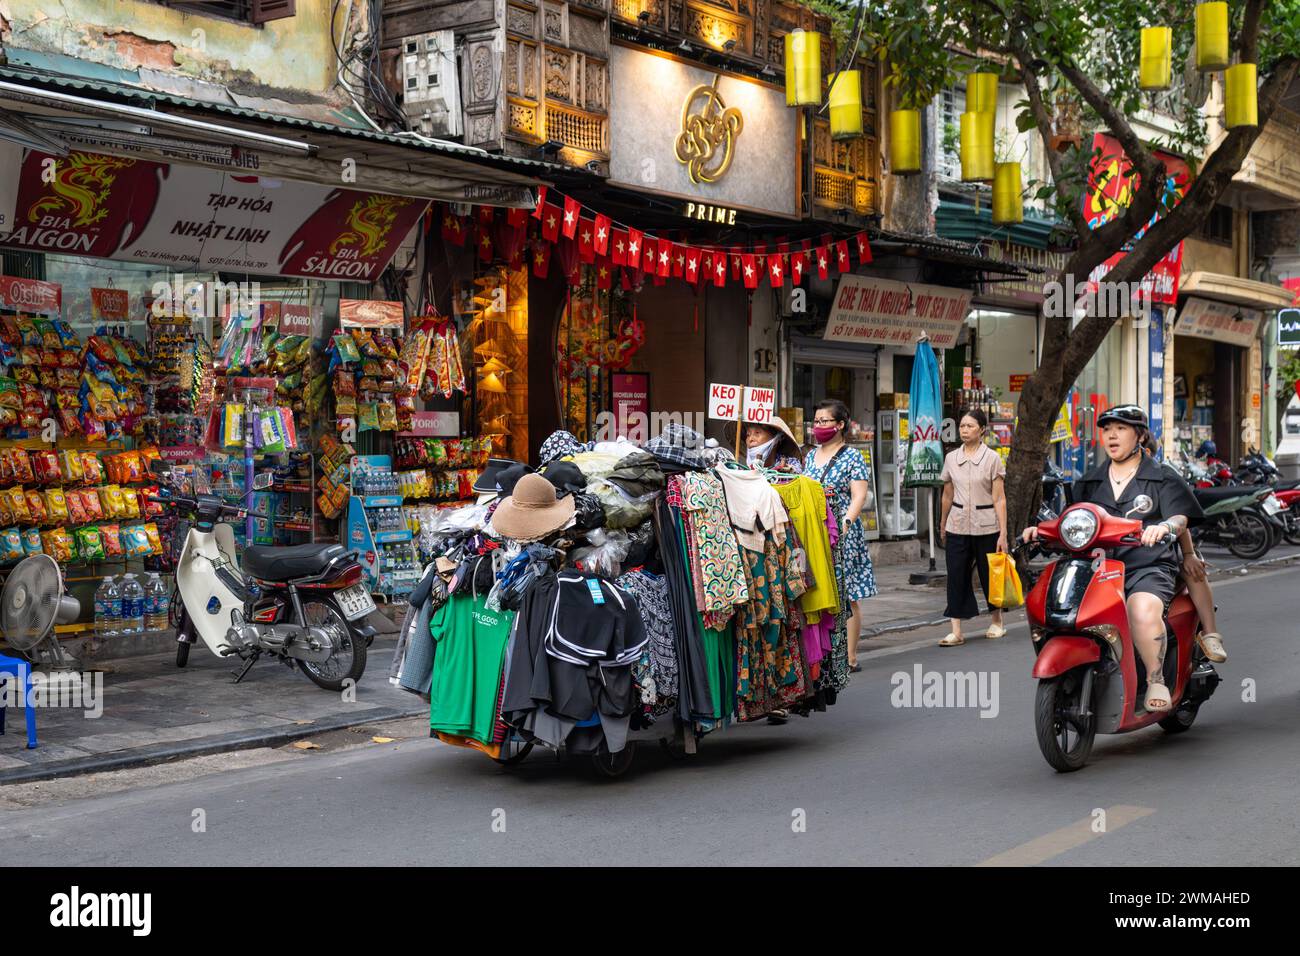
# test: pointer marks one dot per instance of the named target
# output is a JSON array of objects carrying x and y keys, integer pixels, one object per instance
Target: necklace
[{"x": 1118, "y": 483}]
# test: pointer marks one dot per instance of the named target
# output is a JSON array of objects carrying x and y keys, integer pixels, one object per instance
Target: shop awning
[
  {"x": 1264, "y": 296},
  {"x": 1227, "y": 308},
  {"x": 47, "y": 110},
  {"x": 946, "y": 250},
  {"x": 962, "y": 221}
]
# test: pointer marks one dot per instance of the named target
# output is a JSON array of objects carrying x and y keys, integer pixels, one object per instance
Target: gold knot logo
[{"x": 708, "y": 138}]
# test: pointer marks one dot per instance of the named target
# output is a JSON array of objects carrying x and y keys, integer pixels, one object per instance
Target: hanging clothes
[
  {"x": 651, "y": 594},
  {"x": 467, "y": 666},
  {"x": 753, "y": 506},
  {"x": 770, "y": 669},
  {"x": 694, "y": 699},
  {"x": 723, "y": 576},
  {"x": 805, "y": 500}
]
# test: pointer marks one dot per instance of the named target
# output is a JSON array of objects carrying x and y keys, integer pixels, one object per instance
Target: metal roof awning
[{"x": 57, "y": 113}]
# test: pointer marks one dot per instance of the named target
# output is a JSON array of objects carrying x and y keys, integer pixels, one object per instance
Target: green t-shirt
[{"x": 471, "y": 646}]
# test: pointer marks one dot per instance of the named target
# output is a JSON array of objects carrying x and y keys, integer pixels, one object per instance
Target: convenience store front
[{"x": 159, "y": 310}]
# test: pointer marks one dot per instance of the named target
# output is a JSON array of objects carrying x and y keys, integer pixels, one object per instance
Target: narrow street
[{"x": 876, "y": 785}]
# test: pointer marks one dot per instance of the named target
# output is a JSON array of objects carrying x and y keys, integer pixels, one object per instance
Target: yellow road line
[{"x": 1043, "y": 848}]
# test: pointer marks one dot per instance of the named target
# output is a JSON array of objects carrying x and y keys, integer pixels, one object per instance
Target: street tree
[{"x": 1079, "y": 60}]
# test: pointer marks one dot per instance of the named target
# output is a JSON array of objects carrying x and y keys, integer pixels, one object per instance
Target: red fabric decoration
[
  {"x": 633, "y": 247},
  {"x": 691, "y": 271},
  {"x": 517, "y": 217},
  {"x": 600, "y": 241},
  {"x": 749, "y": 270},
  {"x": 586, "y": 235},
  {"x": 842, "y": 256},
  {"x": 798, "y": 266},
  {"x": 776, "y": 270},
  {"x": 541, "y": 202},
  {"x": 551, "y": 223},
  {"x": 485, "y": 215},
  {"x": 735, "y": 263},
  {"x": 665, "y": 266},
  {"x": 572, "y": 213},
  {"x": 822, "y": 257},
  {"x": 484, "y": 242},
  {"x": 719, "y": 269},
  {"x": 649, "y": 254},
  {"x": 604, "y": 273},
  {"x": 864, "y": 248},
  {"x": 453, "y": 230},
  {"x": 570, "y": 264},
  {"x": 678, "y": 256},
  {"x": 620, "y": 247},
  {"x": 541, "y": 259}
]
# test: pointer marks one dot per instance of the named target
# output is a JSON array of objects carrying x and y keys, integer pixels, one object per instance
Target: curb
[{"x": 180, "y": 750}]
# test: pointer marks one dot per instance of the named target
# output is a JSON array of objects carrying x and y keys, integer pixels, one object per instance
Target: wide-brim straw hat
[
  {"x": 790, "y": 446},
  {"x": 533, "y": 511}
]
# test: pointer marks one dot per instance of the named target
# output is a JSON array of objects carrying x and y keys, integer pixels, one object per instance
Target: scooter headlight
[{"x": 1078, "y": 528}]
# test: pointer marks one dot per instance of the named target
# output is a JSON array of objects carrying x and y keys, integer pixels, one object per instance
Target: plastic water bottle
[
  {"x": 108, "y": 609},
  {"x": 157, "y": 604},
  {"x": 132, "y": 605}
]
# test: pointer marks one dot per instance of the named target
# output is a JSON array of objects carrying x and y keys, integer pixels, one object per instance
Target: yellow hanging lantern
[
  {"x": 1008, "y": 206},
  {"x": 1212, "y": 51},
  {"x": 803, "y": 69},
  {"x": 982, "y": 92},
  {"x": 846, "y": 105},
  {"x": 1240, "y": 96},
  {"x": 976, "y": 147},
  {"x": 905, "y": 142},
  {"x": 1156, "y": 67}
]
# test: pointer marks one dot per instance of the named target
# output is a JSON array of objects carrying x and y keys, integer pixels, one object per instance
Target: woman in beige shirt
[{"x": 973, "y": 523}]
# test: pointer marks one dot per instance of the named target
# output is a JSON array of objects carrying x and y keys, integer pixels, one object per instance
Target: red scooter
[{"x": 1090, "y": 677}]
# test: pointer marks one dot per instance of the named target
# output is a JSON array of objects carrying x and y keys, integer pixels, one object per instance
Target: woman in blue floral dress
[{"x": 845, "y": 474}]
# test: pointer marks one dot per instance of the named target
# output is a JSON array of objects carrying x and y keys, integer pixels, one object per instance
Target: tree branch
[{"x": 1250, "y": 31}]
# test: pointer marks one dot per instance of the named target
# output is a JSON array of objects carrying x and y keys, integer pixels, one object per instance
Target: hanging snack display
[
  {"x": 333, "y": 466},
  {"x": 440, "y": 469},
  {"x": 364, "y": 369}
]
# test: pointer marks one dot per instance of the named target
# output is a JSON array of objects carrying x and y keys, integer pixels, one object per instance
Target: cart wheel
[
  {"x": 614, "y": 765},
  {"x": 514, "y": 751}
]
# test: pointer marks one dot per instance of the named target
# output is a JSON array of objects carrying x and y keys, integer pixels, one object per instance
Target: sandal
[
  {"x": 952, "y": 640},
  {"x": 995, "y": 631},
  {"x": 1212, "y": 646},
  {"x": 1157, "y": 691}
]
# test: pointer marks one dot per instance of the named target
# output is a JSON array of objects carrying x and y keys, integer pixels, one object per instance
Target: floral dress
[{"x": 855, "y": 576}]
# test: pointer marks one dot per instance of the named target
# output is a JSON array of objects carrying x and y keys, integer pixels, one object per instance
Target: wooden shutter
[{"x": 265, "y": 10}]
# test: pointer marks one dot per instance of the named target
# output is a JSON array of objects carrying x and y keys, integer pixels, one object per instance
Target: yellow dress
[{"x": 805, "y": 500}]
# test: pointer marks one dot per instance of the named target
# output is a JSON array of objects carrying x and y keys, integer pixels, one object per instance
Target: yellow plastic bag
[{"x": 1004, "y": 583}]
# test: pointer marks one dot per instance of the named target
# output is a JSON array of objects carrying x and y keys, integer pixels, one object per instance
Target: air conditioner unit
[{"x": 431, "y": 83}]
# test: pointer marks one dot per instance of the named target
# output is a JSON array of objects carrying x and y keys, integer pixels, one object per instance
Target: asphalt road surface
[{"x": 865, "y": 783}]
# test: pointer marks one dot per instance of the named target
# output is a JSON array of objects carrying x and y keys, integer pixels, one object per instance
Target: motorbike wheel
[
  {"x": 1181, "y": 719},
  {"x": 348, "y": 662},
  {"x": 514, "y": 751},
  {"x": 1292, "y": 533},
  {"x": 1064, "y": 744},
  {"x": 182, "y": 653},
  {"x": 1251, "y": 537}
]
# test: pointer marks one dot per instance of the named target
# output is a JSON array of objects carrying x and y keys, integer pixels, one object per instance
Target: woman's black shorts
[{"x": 1158, "y": 580}]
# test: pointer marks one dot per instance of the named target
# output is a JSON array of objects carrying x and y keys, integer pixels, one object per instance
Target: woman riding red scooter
[{"x": 1150, "y": 568}]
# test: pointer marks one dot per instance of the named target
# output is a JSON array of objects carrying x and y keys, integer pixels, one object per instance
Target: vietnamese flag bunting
[
  {"x": 719, "y": 269},
  {"x": 586, "y": 241},
  {"x": 842, "y": 256},
  {"x": 666, "y": 249},
  {"x": 691, "y": 270},
  {"x": 517, "y": 218},
  {"x": 864, "y": 248},
  {"x": 541, "y": 202},
  {"x": 484, "y": 244},
  {"x": 679, "y": 261},
  {"x": 572, "y": 213},
  {"x": 822, "y": 257},
  {"x": 633, "y": 247},
  {"x": 541, "y": 259},
  {"x": 604, "y": 273},
  {"x": 749, "y": 270},
  {"x": 551, "y": 223},
  {"x": 649, "y": 254},
  {"x": 453, "y": 230},
  {"x": 776, "y": 270},
  {"x": 619, "y": 241},
  {"x": 798, "y": 266},
  {"x": 735, "y": 262},
  {"x": 485, "y": 215}
]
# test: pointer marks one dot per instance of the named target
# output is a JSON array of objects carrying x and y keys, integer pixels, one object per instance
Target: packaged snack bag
[
  {"x": 32, "y": 541},
  {"x": 68, "y": 360},
  {"x": 73, "y": 470},
  {"x": 26, "y": 375},
  {"x": 77, "y": 507},
  {"x": 92, "y": 427},
  {"x": 6, "y": 515},
  {"x": 18, "y": 505},
  {"x": 130, "y": 503},
  {"x": 45, "y": 465},
  {"x": 365, "y": 342},
  {"x": 10, "y": 396},
  {"x": 93, "y": 503},
  {"x": 111, "y": 534},
  {"x": 155, "y": 539},
  {"x": 147, "y": 507},
  {"x": 110, "y": 499},
  {"x": 20, "y": 464},
  {"x": 56, "y": 503},
  {"x": 91, "y": 468},
  {"x": 135, "y": 541},
  {"x": 387, "y": 417},
  {"x": 49, "y": 336},
  {"x": 58, "y": 544},
  {"x": 36, "y": 508},
  {"x": 11, "y": 545},
  {"x": 89, "y": 543},
  {"x": 232, "y": 430},
  {"x": 347, "y": 348},
  {"x": 368, "y": 416}
]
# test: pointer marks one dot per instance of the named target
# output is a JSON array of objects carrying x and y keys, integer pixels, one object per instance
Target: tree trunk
[{"x": 1037, "y": 414}]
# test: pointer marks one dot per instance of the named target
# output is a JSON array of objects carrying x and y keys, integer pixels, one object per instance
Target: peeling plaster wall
[{"x": 293, "y": 54}]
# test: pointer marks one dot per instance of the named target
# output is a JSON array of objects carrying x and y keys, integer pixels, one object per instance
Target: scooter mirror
[{"x": 1142, "y": 505}]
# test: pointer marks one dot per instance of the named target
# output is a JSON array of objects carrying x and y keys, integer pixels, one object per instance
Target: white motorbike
[{"x": 305, "y": 605}]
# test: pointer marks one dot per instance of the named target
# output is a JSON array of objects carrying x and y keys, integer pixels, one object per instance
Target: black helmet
[{"x": 1131, "y": 415}]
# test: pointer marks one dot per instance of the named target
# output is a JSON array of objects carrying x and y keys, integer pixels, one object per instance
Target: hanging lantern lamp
[
  {"x": 1156, "y": 66},
  {"x": 1240, "y": 96},
  {"x": 846, "y": 104},
  {"x": 976, "y": 147},
  {"x": 803, "y": 69},
  {"x": 1008, "y": 206},
  {"x": 1211, "y": 36},
  {"x": 982, "y": 92},
  {"x": 905, "y": 142}
]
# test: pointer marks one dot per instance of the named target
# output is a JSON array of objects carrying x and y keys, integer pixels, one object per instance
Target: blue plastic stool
[{"x": 20, "y": 671}]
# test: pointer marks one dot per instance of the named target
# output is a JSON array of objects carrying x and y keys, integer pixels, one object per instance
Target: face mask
[
  {"x": 824, "y": 433},
  {"x": 758, "y": 454}
]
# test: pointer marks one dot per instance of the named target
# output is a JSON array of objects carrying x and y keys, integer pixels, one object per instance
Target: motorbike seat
[
  {"x": 1286, "y": 485},
  {"x": 1215, "y": 495},
  {"x": 285, "y": 564}
]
